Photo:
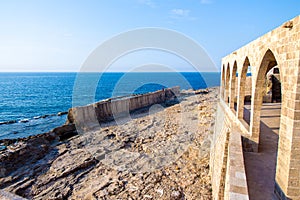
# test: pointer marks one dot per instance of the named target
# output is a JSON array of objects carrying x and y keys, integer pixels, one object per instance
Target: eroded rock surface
[{"x": 159, "y": 154}]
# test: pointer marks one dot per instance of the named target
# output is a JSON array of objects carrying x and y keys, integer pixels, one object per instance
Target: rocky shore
[{"x": 159, "y": 153}]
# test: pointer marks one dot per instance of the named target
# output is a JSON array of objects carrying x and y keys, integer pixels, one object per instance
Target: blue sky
[{"x": 59, "y": 35}]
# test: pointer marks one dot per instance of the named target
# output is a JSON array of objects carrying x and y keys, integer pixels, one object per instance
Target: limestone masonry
[{"x": 267, "y": 72}]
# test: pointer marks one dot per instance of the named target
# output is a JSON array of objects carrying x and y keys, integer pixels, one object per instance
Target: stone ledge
[
  {"x": 241, "y": 124},
  {"x": 236, "y": 183}
]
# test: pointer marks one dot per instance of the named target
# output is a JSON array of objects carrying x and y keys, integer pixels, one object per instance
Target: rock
[
  {"x": 205, "y": 91},
  {"x": 62, "y": 113},
  {"x": 8, "y": 122},
  {"x": 4, "y": 195},
  {"x": 24, "y": 121},
  {"x": 205, "y": 148},
  {"x": 176, "y": 195},
  {"x": 65, "y": 132},
  {"x": 70, "y": 119},
  {"x": 138, "y": 159}
]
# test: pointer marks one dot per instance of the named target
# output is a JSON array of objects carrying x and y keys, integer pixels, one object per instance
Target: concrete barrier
[{"x": 86, "y": 117}]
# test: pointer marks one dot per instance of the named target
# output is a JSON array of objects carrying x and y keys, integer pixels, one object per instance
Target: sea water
[{"x": 34, "y": 103}]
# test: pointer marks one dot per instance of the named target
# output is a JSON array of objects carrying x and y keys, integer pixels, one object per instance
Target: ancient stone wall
[
  {"x": 280, "y": 47},
  {"x": 226, "y": 159},
  {"x": 87, "y": 117},
  {"x": 218, "y": 154}
]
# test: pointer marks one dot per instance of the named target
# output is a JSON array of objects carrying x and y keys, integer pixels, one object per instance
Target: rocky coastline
[{"x": 161, "y": 152}]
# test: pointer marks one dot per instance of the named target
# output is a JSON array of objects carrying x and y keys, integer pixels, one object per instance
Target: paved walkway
[{"x": 261, "y": 167}]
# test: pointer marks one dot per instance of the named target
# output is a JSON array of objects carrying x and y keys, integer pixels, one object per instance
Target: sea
[{"x": 34, "y": 103}]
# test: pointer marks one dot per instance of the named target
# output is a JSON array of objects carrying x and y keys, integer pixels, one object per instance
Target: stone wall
[
  {"x": 86, "y": 117},
  {"x": 226, "y": 159},
  {"x": 218, "y": 154},
  {"x": 280, "y": 47},
  {"x": 236, "y": 181}
]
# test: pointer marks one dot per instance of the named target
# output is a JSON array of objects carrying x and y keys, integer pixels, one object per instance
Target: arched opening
[
  {"x": 245, "y": 93},
  {"x": 227, "y": 84},
  {"x": 265, "y": 125},
  {"x": 263, "y": 93},
  {"x": 233, "y": 92},
  {"x": 223, "y": 82},
  {"x": 273, "y": 85}
]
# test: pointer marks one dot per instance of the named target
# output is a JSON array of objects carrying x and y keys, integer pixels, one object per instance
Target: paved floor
[{"x": 261, "y": 167}]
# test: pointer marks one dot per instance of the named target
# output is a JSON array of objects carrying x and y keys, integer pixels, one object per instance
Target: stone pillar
[
  {"x": 240, "y": 97},
  {"x": 288, "y": 157},
  {"x": 226, "y": 95},
  {"x": 256, "y": 103},
  {"x": 227, "y": 85},
  {"x": 222, "y": 83},
  {"x": 232, "y": 90}
]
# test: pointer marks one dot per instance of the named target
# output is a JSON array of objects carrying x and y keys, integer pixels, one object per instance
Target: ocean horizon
[{"x": 36, "y": 102}]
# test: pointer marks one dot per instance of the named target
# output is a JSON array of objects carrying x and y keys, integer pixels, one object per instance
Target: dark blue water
[{"x": 31, "y": 101}]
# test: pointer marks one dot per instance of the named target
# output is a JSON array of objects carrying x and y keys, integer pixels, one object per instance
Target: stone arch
[
  {"x": 267, "y": 63},
  {"x": 227, "y": 84},
  {"x": 241, "y": 88},
  {"x": 233, "y": 85}
]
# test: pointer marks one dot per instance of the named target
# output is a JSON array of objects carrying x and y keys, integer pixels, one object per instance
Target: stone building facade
[{"x": 279, "y": 48}]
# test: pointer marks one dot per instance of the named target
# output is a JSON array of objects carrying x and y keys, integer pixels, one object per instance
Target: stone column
[
  {"x": 232, "y": 89},
  {"x": 256, "y": 103},
  {"x": 226, "y": 91},
  {"x": 226, "y": 96},
  {"x": 222, "y": 83},
  {"x": 288, "y": 157},
  {"x": 240, "y": 96},
  {"x": 227, "y": 85}
]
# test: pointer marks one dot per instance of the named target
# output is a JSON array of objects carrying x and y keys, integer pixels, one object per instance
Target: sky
[{"x": 60, "y": 35}]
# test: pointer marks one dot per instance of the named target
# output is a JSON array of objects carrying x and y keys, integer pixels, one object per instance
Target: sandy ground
[{"x": 158, "y": 153}]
